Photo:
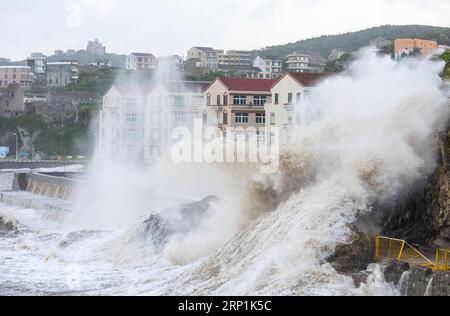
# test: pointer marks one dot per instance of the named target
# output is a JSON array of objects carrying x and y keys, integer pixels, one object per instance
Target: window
[
  {"x": 260, "y": 118},
  {"x": 205, "y": 118},
  {"x": 180, "y": 118},
  {"x": 225, "y": 118},
  {"x": 218, "y": 100},
  {"x": 179, "y": 101},
  {"x": 272, "y": 118},
  {"x": 290, "y": 98},
  {"x": 260, "y": 100},
  {"x": 239, "y": 100},
  {"x": 225, "y": 99},
  {"x": 208, "y": 100},
  {"x": 130, "y": 102},
  {"x": 131, "y": 117},
  {"x": 276, "y": 98},
  {"x": 241, "y": 118},
  {"x": 299, "y": 97}
]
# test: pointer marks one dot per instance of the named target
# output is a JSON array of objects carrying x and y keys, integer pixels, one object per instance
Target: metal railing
[{"x": 399, "y": 250}]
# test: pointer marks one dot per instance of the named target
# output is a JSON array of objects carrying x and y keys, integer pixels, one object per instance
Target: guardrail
[
  {"x": 399, "y": 250},
  {"x": 35, "y": 164}
]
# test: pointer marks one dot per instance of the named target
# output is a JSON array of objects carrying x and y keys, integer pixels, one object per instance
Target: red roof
[
  {"x": 248, "y": 84},
  {"x": 309, "y": 79}
]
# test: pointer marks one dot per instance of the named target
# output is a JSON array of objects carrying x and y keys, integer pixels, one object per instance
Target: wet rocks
[
  {"x": 354, "y": 257},
  {"x": 6, "y": 226},
  {"x": 158, "y": 228}
]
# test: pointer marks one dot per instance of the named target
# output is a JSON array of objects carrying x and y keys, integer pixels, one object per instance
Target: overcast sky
[{"x": 166, "y": 27}]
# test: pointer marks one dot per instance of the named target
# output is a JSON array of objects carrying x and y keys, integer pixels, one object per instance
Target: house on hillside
[
  {"x": 237, "y": 102},
  {"x": 136, "y": 122},
  {"x": 290, "y": 95}
]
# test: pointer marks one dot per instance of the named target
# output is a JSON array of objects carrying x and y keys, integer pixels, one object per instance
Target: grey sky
[{"x": 172, "y": 26}]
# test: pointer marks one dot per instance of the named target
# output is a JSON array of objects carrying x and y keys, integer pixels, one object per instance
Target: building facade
[
  {"x": 141, "y": 61},
  {"x": 289, "y": 106},
  {"x": 136, "y": 122},
  {"x": 11, "y": 100},
  {"x": 297, "y": 62},
  {"x": 170, "y": 105},
  {"x": 406, "y": 46},
  {"x": 19, "y": 74},
  {"x": 208, "y": 57},
  {"x": 62, "y": 73},
  {"x": 60, "y": 101},
  {"x": 235, "y": 58},
  {"x": 37, "y": 63},
  {"x": 237, "y": 102},
  {"x": 95, "y": 47},
  {"x": 271, "y": 67}
]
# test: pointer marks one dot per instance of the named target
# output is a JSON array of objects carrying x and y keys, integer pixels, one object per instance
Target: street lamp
[{"x": 17, "y": 146}]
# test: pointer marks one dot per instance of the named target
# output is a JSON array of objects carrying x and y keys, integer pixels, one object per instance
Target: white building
[
  {"x": 297, "y": 62},
  {"x": 141, "y": 61},
  {"x": 271, "y": 67},
  {"x": 208, "y": 57},
  {"x": 170, "y": 105},
  {"x": 235, "y": 58},
  {"x": 95, "y": 47},
  {"x": 122, "y": 123},
  {"x": 289, "y": 103},
  {"x": 136, "y": 123}
]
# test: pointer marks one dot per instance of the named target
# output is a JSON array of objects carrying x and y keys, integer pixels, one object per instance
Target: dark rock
[
  {"x": 158, "y": 228},
  {"x": 394, "y": 272},
  {"x": 6, "y": 226},
  {"x": 418, "y": 281},
  {"x": 440, "y": 285},
  {"x": 354, "y": 257}
]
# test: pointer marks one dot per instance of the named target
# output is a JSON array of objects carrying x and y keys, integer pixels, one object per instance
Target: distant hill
[
  {"x": 350, "y": 42},
  {"x": 84, "y": 58}
]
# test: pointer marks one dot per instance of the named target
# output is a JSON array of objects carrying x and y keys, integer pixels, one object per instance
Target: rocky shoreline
[{"x": 420, "y": 216}]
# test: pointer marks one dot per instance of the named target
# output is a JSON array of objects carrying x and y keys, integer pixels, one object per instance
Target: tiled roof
[
  {"x": 309, "y": 79},
  {"x": 143, "y": 54},
  {"x": 186, "y": 86},
  {"x": 205, "y": 49},
  {"x": 247, "y": 84}
]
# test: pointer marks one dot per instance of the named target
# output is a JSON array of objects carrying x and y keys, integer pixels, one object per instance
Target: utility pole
[{"x": 17, "y": 146}]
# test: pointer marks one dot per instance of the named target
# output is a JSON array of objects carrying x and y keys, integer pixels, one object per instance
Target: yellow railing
[{"x": 396, "y": 249}]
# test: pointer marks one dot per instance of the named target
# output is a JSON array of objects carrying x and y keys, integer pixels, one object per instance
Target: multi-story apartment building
[
  {"x": 297, "y": 62},
  {"x": 141, "y": 61},
  {"x": 237, "y": 102},
  {"x": 208, "y": 57},
  {"x": 95, "y": 47},
  {"x": 407, "y": 46},
  {"x": 271, "y": 67},
  {"x": 290, "y": 96},
  {"x": 121, "y": 132},
  {"x": 170, "y": 105},
  {"x": 136, "y": 122},
  {"x": 62, "y": 73},
  {"x": 37, "y": 63},
  {"x": 16, "y": 74},
  {"x": 235, "y": 58}
]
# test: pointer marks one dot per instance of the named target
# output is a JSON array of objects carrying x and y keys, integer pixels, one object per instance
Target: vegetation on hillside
[
  {"x": 350, "y": 42},
  {"x": 48, "y": 137},
  {"x": 446, "y": 57}
]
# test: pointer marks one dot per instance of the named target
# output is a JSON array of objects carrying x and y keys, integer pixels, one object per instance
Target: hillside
[{"x": 353, "y": 41}]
